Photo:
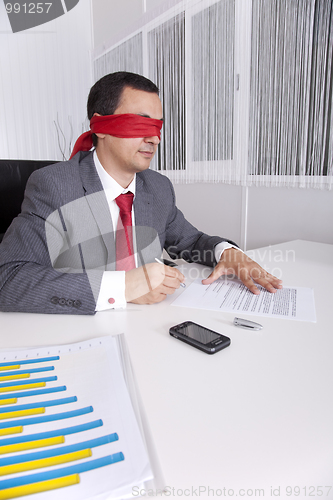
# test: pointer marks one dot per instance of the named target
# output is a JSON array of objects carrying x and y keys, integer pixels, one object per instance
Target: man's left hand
[{"x": 236, "y": 263}]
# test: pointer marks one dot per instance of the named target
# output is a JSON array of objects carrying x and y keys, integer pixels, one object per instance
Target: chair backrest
[{"x": 13, "y": 178}]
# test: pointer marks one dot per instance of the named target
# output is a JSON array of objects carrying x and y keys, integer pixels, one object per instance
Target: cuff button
[{"x": 111, "y": 300}]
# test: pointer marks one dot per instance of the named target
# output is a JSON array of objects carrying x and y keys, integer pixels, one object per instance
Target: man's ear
[{"x": 99, "y": 135}]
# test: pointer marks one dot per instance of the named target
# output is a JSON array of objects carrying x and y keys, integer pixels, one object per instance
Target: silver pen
[
  {"x": 160, "y": 262},
  {"x": 248, "y": 325}
]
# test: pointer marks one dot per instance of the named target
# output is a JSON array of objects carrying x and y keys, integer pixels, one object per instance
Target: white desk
[{"x": 255, "y": 416}]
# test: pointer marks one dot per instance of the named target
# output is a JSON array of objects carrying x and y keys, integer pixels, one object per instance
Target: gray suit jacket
[{"x": 53, "y": 256}]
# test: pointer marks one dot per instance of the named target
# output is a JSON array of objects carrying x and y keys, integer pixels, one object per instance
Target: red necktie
[{"x": 124, "y": 238}]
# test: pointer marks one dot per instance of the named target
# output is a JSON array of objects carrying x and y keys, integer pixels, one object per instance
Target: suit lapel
[
  {"x": 98, "y": 204},
  {"x": 147, "y": 239},
  {"x": 142, "y": 204}
]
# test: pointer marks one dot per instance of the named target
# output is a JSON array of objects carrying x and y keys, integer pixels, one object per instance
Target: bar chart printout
[{"x": 67, "y": 425}]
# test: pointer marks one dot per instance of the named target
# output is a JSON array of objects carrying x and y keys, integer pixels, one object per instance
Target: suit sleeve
[
  {"x": 184, "y": 241},
  {"x": 28, "y": 280}
]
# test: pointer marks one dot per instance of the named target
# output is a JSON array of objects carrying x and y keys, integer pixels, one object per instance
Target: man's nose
[{"x": 153, "y": 140}]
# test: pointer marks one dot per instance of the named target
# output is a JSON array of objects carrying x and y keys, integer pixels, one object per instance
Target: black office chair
[{"x": 13, "y": 178}]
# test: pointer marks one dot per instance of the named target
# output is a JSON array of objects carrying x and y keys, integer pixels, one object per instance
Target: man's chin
[
  {"x": 144, "y": 164},
  {"x": 145, "y": 167}
]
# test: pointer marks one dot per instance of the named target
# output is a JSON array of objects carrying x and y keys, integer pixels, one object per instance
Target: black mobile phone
[{"x": 200, "y": 337}]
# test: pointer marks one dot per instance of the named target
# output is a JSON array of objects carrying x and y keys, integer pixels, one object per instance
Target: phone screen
[{"x": 198, "y": 333}]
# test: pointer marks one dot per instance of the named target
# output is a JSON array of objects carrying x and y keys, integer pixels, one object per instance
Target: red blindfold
[{"x": 124, "y": 125}]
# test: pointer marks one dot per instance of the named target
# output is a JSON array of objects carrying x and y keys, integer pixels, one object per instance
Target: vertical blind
[
  {"x": 213, "y": 36},
  {"x": 272, "y": 125},
  {"x": 127, "y": 56},
  {"x": 166, "y": 46},
  {"x": 291, "y": 121}
]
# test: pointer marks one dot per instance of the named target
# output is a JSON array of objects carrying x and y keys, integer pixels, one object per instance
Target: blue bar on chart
[
  {"x": 66, "y": 471},
  {"x": 30, "y": 381},
  {"x": 54, "y": 402},
  {"x": 47, "y": 418},
  {"x": 91, "y": 443},
  {"x": 59, "y": 432},
  {"x": 36, "y": 392},
  {"x": 32, "y": 370},
  {"x": 28, "y": 361}
]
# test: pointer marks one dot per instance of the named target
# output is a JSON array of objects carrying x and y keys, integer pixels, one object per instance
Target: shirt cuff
[
  {"x": 112, "y": 291},
  {"x": 220, "y": 247}
]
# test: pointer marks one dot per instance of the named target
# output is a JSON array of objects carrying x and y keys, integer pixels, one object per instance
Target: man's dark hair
[{"x": 104, "y": 97}]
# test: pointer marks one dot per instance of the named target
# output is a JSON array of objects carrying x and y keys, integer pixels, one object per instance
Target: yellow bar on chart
[
  {"x": 22, "y": 413},
  {"x": 11, "y": 401},
  {"x": 45, "y": 462},
  {"x": 39, "y": 443},
  {"x": 12, "y": 367},
  {"x": 11, "y": 430},
  {"x": 30, "y": 489},
  {"x": 22, "y": 387},
  {"x": 14, "y": 377}
]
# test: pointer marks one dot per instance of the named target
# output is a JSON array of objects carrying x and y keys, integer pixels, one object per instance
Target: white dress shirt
[{"x": 112, "y": 291}]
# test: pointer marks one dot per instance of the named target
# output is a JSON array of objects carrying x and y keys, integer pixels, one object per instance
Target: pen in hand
[{"x": 160, "y": 262}]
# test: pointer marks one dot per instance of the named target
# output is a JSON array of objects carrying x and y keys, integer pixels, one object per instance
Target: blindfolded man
[{"x": 91, "y": 228}]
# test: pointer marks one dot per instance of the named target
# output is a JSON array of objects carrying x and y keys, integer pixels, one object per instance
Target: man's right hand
[{"x": 151, "y": 283}]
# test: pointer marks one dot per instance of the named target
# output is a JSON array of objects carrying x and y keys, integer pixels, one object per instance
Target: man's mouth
[{"x": 147, "y": 154}]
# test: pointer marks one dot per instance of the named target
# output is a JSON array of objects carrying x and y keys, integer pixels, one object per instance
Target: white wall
[
  {"x": 213, "y": 208},
  {"x": 45, "y": 75},
  {"x": 112, "y": 18},
  {"x": 274, "y": 215},
  {"x": 281, "y": 214}
]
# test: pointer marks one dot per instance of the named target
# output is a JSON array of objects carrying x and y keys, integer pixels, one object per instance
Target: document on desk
[{"x": 232, "y": 296}]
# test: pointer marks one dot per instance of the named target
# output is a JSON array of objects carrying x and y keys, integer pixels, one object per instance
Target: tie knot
[{"x": 125, "y": 202}]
